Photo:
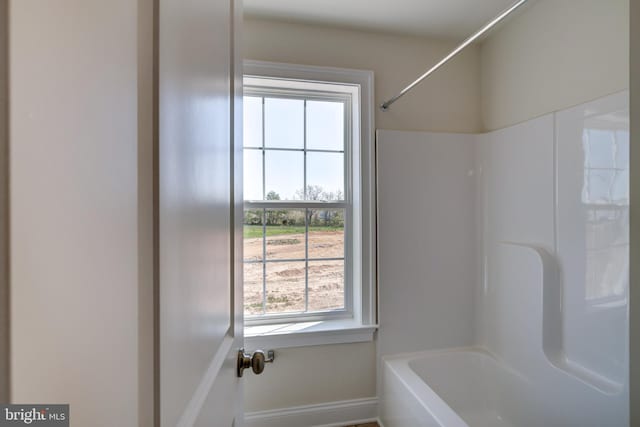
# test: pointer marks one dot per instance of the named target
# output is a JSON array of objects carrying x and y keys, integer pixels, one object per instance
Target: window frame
[
  {"x": 363, "y": 323},
  {"x": 305, "y": 95}
]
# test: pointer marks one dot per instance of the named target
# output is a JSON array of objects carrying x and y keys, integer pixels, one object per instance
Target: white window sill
[{"x": 302, "y": 334}]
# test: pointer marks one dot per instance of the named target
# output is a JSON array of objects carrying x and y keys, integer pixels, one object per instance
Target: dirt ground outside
[{"x": 285, "y": 280}]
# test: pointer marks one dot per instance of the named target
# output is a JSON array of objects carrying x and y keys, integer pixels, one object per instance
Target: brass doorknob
[{"x": 255, "y": 361}]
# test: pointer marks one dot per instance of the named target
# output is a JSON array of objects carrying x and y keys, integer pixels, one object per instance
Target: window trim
[{"x": 364, "y": 291}]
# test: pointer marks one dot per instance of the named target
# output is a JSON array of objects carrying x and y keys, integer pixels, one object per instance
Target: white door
[{"x": 199, "y": 213}]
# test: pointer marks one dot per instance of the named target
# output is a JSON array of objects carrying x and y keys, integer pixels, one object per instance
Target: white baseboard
[{"x": 332, "y": 414}]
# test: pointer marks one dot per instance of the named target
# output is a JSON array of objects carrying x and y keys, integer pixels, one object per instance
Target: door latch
[{"x": 255, "y": 361}]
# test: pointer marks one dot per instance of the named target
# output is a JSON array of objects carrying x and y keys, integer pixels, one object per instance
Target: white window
[{"x": 309, "y": 250}]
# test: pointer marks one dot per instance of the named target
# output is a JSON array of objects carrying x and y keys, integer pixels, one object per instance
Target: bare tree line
[{"x": 296, "y": 217}]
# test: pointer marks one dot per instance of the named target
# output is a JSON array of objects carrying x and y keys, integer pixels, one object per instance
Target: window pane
[
  {"x": 253, "y": 233},
  {"x": 252, "y": 121},
  {"x": 285, "y": 287},
  {"x": 284, "y": 174},
  {"x": 326, "y": 285},
  {"x": 285, "y": 270},
  {"x": 285, "y": 234},
  {"x": 252, "y": 174},
  {"x": 284, "y": 123},
  {"x": 325, "y": 125},
  {"x": 326, "y": 233},
  {"x": 325, "y": 176},
  {"x": 253, "y": 288}
]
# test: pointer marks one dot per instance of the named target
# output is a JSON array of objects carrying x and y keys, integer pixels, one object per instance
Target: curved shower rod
[{"x": 495, "y": 21}]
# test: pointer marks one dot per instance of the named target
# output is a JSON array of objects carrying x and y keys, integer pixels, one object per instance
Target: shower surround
[{"x": 536, "y": 303}]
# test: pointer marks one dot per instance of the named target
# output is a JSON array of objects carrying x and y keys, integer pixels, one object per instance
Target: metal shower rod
[{"x": 495, "y": 21}]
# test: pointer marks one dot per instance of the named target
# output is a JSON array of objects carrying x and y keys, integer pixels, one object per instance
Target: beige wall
[
  {"x": 309, "y": 375},
  {"x": 554, "y": 55},
  {"x": 4, "y": 220},
  {"x": 449, "y": 101},
  {"x": 505, "y": 81},
  {"x": 635, "y": 213},
  {"x": 74, "y": 207}
]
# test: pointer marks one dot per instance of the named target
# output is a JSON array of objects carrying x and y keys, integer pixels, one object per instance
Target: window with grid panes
[{"x": 297, "y": 203}]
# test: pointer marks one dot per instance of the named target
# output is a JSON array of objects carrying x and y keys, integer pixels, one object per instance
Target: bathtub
[{"x": 470, "y": 387}]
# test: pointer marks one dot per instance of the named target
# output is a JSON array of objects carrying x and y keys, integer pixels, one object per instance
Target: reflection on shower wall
[
  {"x": 605, "y": 195},
  {"x": 592, "y": 145}
]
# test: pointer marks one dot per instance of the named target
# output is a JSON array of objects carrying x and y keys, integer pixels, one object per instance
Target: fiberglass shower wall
[
  {"x": 553, "y": 300},
  {"x": 517, "y": 241}
]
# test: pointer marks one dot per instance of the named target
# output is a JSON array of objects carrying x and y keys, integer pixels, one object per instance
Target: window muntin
[{"x": 297, "y": 204}]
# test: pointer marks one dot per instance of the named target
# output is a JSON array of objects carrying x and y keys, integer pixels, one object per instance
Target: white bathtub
[{"x": 471, "y": 388}]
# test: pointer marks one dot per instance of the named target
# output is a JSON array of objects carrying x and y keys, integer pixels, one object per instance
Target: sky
[{"x": 285, "y": 128}]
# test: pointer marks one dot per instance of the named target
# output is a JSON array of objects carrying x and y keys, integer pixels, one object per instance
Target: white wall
[
  {"x": 4, "y": 206},
  {"x": 74, "y": 207},
  {"x": 426, "y": 222},
  {"x": 447, "y": 102},
  {"x": 553, "y": 55}
]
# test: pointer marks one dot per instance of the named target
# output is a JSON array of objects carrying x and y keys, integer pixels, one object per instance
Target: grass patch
[
  {"x": 277, "y": 300},
  {"x": 254, "y": 231},
  {"x": 283, "y": 242}
]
